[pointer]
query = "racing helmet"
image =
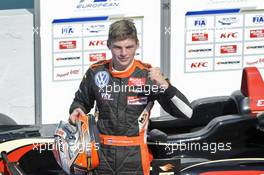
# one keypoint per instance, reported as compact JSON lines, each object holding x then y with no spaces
{"x":76,"y":147}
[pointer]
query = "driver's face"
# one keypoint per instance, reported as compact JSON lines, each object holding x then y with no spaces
{"x":123,"y":53}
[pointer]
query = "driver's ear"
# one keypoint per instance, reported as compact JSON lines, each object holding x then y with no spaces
{"x":137,"y":44}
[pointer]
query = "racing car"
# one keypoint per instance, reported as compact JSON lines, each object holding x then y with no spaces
{"x":224,"y":136}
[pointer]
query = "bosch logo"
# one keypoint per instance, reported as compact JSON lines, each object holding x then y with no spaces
{"x":199,"y":64}
{"x":67,"y":30}
{"x":258,"y":19}
{"x":228,"y":21}
{"x":229,"y":35}
{"x":97,"y":43}
{"x":200,"y":23}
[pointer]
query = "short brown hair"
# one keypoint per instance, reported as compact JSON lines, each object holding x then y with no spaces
{"x":121,"y":30}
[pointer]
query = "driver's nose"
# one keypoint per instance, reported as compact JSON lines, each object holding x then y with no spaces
{"x":123,"y":52}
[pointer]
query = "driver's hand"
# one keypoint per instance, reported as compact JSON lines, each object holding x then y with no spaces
{"x":156,"y":76}
{"x":75,"y":114}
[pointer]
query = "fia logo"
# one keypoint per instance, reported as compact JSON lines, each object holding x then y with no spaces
{"x":67,"y":30}
{"x":200,"y":22}
{"x":101,"y":79}
{"x":258,"y":19}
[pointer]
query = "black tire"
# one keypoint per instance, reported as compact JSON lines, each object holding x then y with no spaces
{"x":5,"y":120}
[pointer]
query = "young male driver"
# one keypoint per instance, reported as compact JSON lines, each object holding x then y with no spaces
{"x":124,"y":90}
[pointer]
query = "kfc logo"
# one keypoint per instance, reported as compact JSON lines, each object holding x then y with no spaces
{"x":96,"y":43}
{"x":229,"y":35}
{"x":199,"y":65}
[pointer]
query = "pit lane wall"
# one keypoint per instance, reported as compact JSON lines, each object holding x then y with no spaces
{"x":211,"y":42}
{"x":72,"y":36}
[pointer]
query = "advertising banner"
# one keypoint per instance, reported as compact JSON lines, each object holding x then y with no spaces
{"x":212,"y":41}
{"x":74,"y":38}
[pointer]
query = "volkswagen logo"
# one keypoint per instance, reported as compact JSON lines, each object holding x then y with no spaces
{"x":101,"y":79}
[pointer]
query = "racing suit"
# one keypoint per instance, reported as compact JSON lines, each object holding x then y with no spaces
{"x":124,"y":100}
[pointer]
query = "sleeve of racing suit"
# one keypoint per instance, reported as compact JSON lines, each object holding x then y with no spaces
{"x":84,"y":97}
{"x":175,"y":103}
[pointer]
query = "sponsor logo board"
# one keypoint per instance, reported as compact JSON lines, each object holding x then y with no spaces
{"x":94,"y":43}
{"x":228,"y":35}
{"x":95,"y":56}
{"x":228,"y":63}
{"x":200,"y":23}
{"x":67,"y":59}
{"x":200,"y":37}
{"x":94,"y":29}
{"x":67,"y":73}
{"x":199,"y":65}
{"x":254,"y":19}
{"x":254,"y":47}
{"x":254,"y":60}
{"x":73,"y":30}
{"x":198,"y":51}
{"x":228,"y":21}
{"x":257,"y":33}
{"x":228,"y":49}
{"x":67,"y":45}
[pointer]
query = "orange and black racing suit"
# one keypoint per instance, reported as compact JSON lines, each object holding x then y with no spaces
{"x":124,"y":100}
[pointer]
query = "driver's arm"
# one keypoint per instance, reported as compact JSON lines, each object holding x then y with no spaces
{"x":170,"y":98}
{"x":175,"y":103}
{"x":84,"y":98}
